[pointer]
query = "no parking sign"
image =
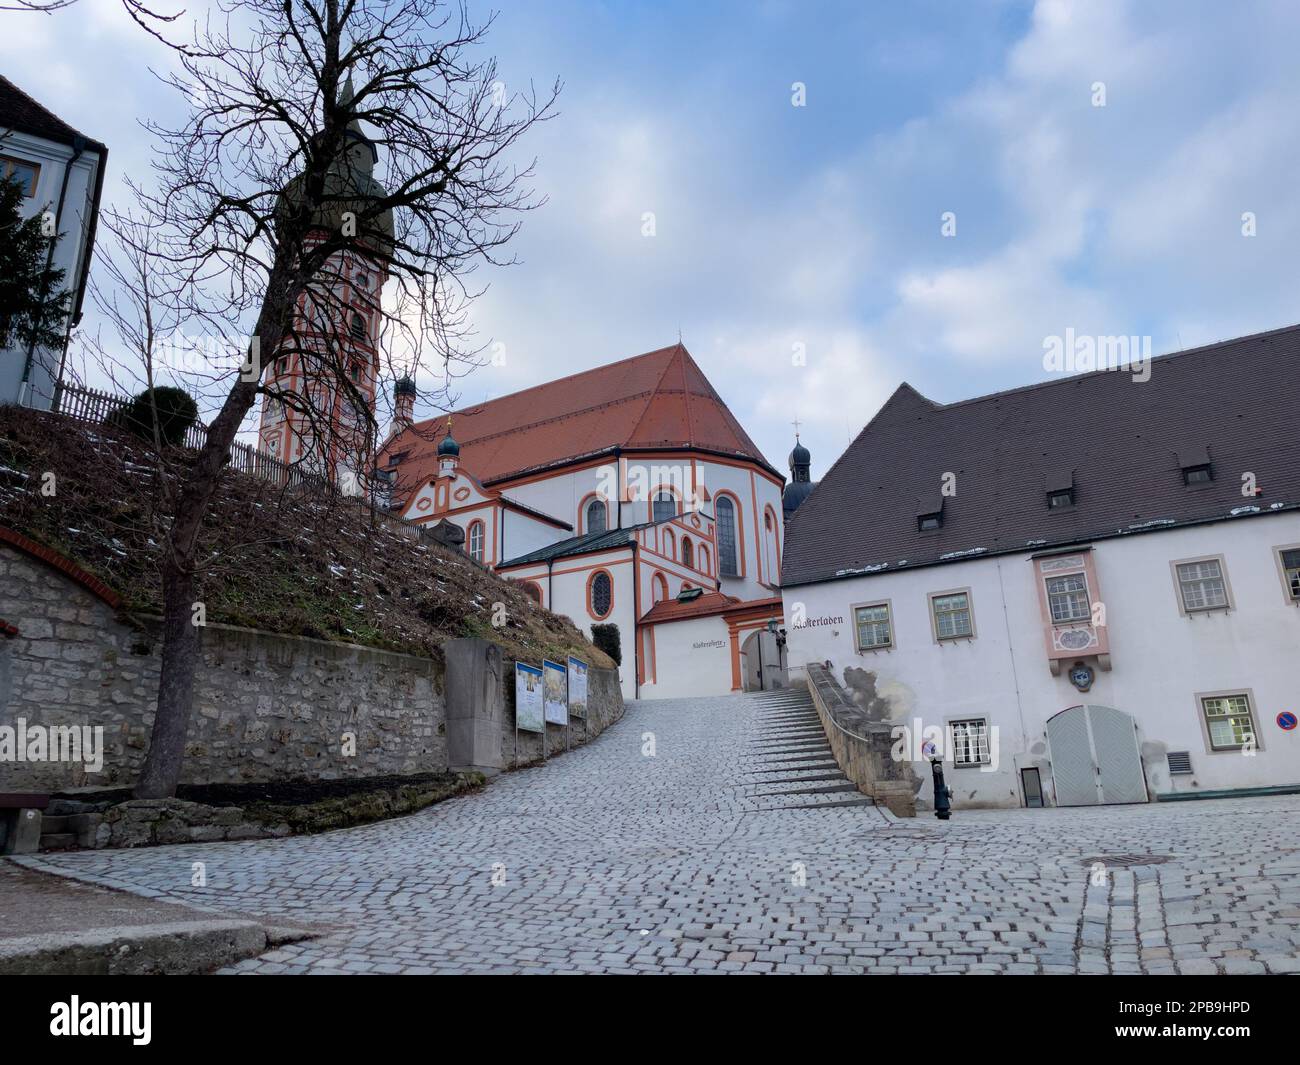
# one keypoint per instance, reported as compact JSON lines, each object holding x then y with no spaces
{"x":1286,"y":721}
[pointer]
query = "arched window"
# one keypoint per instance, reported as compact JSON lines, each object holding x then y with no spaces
{"x":475,"y":541}
{"x":658,"y":589}
{"x":688,"y":552}
{"x":594,"y":521}
{"x":533,"y":591}
{"x":727,"y":537}
{"x":670,"y":544}
{"x":358,"y":326}
{"x":665,"y":506}
{"x":703,"y":560}
{"x":600,"y":594}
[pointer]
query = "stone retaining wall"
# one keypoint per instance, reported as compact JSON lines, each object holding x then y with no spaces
{"x":268,"y":707}
{"x":862,"y":748}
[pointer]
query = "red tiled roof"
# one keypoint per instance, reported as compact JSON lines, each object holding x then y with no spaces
{"x":705,"y":605}
{"x":659,"y":400}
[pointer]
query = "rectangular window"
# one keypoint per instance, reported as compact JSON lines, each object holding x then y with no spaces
{"x":1198,"y":475}
{"x":929,"y":522}
{"x":970,"y":742}
{"x":1068,"y":598}
{"x":1228,"y":721}
{"x":1290,"y":558}
{"x":952,"y":615}
{"x":21,"y":171}
{"x":1056,"y":500}
{"x":1201,"y":585}
{"x":874,"y":628}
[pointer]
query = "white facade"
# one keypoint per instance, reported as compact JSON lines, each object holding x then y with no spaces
{"x":1163,"y":659}
{"x":653,"y":564}
{"x":72,"y":207}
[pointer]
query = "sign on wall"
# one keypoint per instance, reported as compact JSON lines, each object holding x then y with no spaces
{"x":556,"y":689}
{"x":528,"y":698}
{"x":577,"y":687}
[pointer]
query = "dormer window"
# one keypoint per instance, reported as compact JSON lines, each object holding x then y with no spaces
{"x":1194,"y":461}
{"x":929,"y":513}
{"x":1059,"y":486}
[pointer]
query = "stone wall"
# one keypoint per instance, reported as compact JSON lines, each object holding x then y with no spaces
{"x":863,"y":749}
{"x":268,"y":707}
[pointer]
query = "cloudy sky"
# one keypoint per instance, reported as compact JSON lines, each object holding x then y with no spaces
{"x":819,"y":228}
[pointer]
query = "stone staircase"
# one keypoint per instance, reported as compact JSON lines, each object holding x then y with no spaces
{"x":788,"y":764}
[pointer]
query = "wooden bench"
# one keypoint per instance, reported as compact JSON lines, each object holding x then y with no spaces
{"x":20,"y":821}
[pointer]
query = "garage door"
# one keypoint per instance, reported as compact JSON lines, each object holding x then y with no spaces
{"x":1095,"y":758}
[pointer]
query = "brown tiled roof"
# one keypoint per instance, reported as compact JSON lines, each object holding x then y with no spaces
{"x":1121,"y":440}
{"x":659,"y":400}
{"x":708,"y":604}
{"x":20,"y":112}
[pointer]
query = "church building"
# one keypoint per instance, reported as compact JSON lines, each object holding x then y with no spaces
{"x":626,"y":495}
{"x":1085,"y":591}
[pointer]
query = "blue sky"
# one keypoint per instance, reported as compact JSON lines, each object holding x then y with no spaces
{"x":819,"y":226}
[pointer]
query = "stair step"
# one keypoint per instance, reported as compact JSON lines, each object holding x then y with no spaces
{"x":829,"y":790}
{"x":56,"y":824}
{"x":791,"y":742}
{"x":840,"y":777}
{"x":829,"y":805}
{"x":58,"y":841}
{"x":814,"y":756}
{"x":812,"y":767}
{"x":822,"y":749}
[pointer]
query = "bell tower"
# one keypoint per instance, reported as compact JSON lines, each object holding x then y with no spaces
{"x":334,"y":364}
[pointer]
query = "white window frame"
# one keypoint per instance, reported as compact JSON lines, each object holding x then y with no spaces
{"x":1189,"y":611}
{"x":933,"y":597}
{"x":978,"y":743}
{"x":479,"y":526}
{"x":1252,"y":717}
{"x":1288,"y":598}
{"x":1085,"y":591}
{"x":889,"y":621}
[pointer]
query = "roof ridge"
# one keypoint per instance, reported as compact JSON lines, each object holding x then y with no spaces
{"x":479,"y":407}
{"x":690,"y":429}
{"x":73,"y":130}
{"x":1066,"y":379}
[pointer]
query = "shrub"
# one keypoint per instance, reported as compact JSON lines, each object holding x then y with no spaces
{"x":606,"y":638}
{"x":176,"y":409}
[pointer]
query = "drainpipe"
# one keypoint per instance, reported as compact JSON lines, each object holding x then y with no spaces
{"x":78,"y":147}
{"x":636,"y":617}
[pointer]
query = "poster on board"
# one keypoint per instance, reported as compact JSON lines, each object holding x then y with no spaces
{"x":528,"y":698}
{"x":577,"y":687}
{"x":556,"y":690}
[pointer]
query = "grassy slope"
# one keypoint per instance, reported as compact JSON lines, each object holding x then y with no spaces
{"x":289,"y":562}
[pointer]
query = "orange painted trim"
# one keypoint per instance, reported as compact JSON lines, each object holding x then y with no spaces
{"x":670,"y":542}
{"x":482,"y":547}
{"x":63,"y":564}
{"x":739,"y":512}
{"x":560,"y":469}
{"x":758,"y":529}
{"x":590,"y":579}
{"x":735,"y":661}
{"x":581,"y":526}
{"x":768,"y":512}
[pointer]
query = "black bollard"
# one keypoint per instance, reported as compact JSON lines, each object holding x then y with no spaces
{"x":942,"y":793}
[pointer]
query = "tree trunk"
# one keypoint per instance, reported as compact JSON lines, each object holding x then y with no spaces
{"x":181,"y":647}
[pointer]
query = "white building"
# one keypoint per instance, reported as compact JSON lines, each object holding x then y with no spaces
{"x":62,"y":174}
{"x":625,"y":495}
{"x":1086,"y":590}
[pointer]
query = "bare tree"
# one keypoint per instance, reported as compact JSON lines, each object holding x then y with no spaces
{"x":326,"y":137}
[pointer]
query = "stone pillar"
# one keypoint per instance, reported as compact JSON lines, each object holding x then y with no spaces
{"x":475,"y":705}
{"x":21,"y":833}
